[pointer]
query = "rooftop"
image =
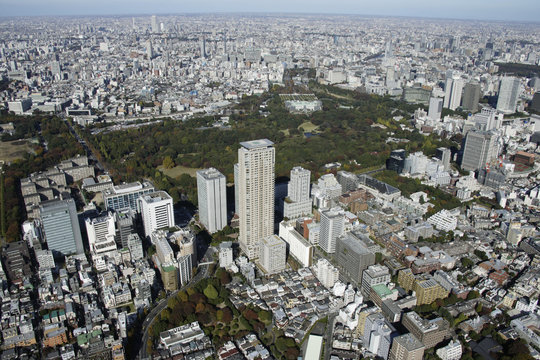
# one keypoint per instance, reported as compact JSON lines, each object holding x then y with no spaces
{"x":255,"y":144}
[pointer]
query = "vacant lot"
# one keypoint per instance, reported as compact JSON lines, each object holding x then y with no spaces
{"x":13,"y":150}
{"x":179,"y":170}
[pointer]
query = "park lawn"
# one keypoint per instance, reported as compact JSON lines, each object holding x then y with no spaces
{"x":308,"y":126}
{"x":13,"y":150}
{"x":176,"y":171}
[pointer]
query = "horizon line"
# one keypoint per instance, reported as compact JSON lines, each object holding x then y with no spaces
{"x":246,"y":13}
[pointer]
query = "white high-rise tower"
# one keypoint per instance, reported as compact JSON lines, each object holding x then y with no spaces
{"x":157,"y":211}
{"x":255,"y":194}
{"x":298,"y":202}
{"x":212,"y":197}
{"x":453,"y":90}
{"x":508,"y":94}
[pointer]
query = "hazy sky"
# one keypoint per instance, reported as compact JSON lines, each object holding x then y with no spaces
{"x":516,"y":10}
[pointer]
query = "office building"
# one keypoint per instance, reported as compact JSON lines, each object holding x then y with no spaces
{"x":273,"y":254}
{"x":101,"y":233}
{"x":471,"y":97}
{"x":126,"y":195}
{"x":429,"y":332}
{"x":353,"y":257}
{"x":332,"y":226}
{"x":61,"y":227}
{"x":480,"y":148}
{"x":406,"y":347}
{"x":134,"y":244}
{"x":435,"y":108}
{"x":327,"y":274}
{"x":453,"y":90}
{"x":445,"y":156}
{"x":508,"y":95}
{"x":378,"y":335}
{"x":348,"y":181}
{"x":396,"y":161}
{"x":374,"y":275}
{"x":212,"y":196}
{"x":157,"y":211}
{"x":124,"y":226}
{"x":255,"y":194}
{"x":298,"y":202}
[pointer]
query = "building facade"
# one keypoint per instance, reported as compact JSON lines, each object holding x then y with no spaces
{"x":255,"y":194}
{"x":212,"y":196}
{"x":61,"y":226}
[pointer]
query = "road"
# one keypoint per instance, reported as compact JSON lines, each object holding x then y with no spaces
{"x":201,"y":274}
{"x":328,"y":335}
{"x":81,"y":141}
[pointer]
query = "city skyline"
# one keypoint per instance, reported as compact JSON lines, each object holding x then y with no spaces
{"x":520,"y":11}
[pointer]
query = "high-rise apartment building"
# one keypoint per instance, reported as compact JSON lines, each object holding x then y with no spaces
{"x":332,"y":225}
{"x":157,"y":211}
{"x":298,"y":201}
{"x":453,"y":90}
{"x":61,"y":226}
{"x":327,"y":274}
{"x":508,"y":94}
{"x":480,"y":148}
{"x":273,"y":254}
{"x":256,"y":160}
{"x":211,"y":191}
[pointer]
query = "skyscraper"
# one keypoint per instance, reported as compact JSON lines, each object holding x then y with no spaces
{"x":480,"y":148}
{"x":157,"y":211}
{"x":255,"y":194}
{"x":508,"y":94}
{"x":453,"y":89}
{"x":332,"y":224}
{"x":155,"y":27}
{"x":212,"y":199}
{"x":61,"y":226}
{"x":435,"y":108}
{"x":298,"y":201}
{"x":471,"y":97}
{"x":203,"y":47}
